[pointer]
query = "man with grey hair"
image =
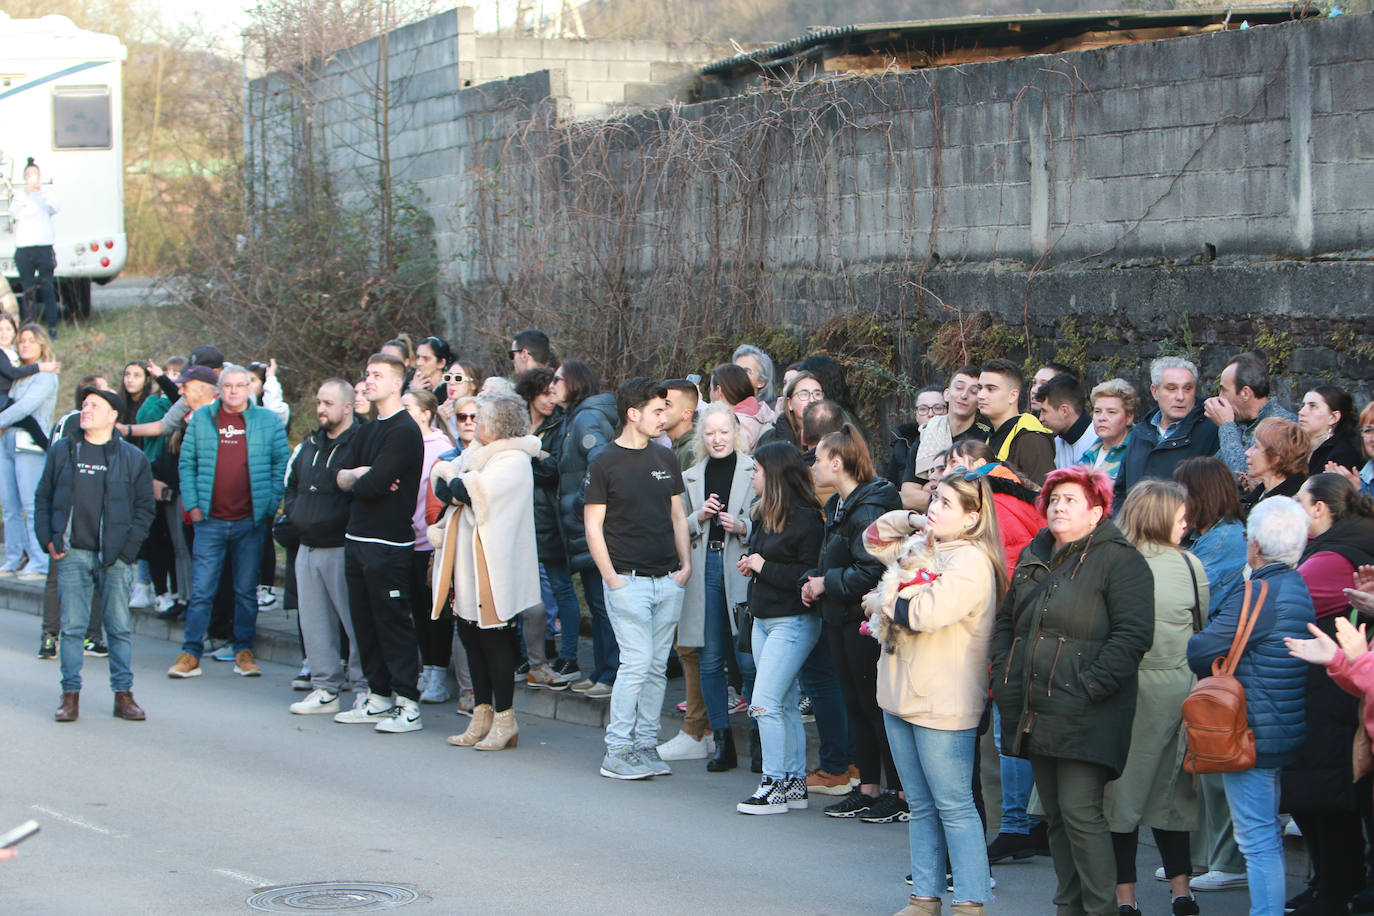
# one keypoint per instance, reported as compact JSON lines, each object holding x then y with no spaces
{"x":1243,"y":402}
{"x":759,"y":365}
{"x":1174,"y":430}
{"x":233,"y":470}
{"x":1275,"y":685}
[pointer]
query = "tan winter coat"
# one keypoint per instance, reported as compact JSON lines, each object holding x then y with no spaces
{"x":500,"y":482}
{"x":935,"y":674}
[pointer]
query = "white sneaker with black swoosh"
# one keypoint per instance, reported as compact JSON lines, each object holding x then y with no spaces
{"x":403,"y":717}
{"x":368,"y":709}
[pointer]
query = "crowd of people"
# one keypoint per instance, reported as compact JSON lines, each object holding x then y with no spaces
{"x":1055,"y":577}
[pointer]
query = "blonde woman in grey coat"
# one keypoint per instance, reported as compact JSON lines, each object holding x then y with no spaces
{"x":1153,"y":791}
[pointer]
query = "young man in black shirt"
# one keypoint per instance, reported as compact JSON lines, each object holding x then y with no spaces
{"x":382,"y":471}
{"x":637,"y":535}
{"x":92,"y":511}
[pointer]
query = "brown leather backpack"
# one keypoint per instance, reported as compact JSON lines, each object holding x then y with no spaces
{"x":1219,"y":740}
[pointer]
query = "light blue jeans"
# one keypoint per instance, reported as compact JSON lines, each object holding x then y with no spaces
{"x":936,"y":769}
{"x":19,"y":475}
{"x":1254,"y":799}
{"x":781,"y":645}
{"x":79,"y":574}
{"x":644,"y":613}
{"x":1017,"y":782}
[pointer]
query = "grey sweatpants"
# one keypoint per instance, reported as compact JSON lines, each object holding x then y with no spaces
{"x":322,"y":596}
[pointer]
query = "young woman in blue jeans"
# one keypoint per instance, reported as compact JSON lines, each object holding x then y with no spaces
{"x":783,"y":545}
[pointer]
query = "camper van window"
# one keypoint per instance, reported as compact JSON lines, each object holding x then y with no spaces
{"x":81,"y":117}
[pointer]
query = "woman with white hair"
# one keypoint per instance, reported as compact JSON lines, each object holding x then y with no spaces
{"x":759,"y":365}
{"x":486,"y":555}
{"x":1275,"y":685}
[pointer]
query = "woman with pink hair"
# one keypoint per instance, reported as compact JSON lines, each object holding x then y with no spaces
{"x":1077,"y":619}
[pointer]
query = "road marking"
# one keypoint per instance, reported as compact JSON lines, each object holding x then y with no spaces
{"x":243,"y":877}
{"x":77,"y":822}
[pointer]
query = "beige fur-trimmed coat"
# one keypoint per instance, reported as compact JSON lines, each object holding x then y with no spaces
{"x":933,"y":673}
{"x":500,"y":482}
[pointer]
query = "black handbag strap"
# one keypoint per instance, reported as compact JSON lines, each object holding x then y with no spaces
{"x":1197,"y":598}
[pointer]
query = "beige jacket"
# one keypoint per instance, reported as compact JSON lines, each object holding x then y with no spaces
{"x":935,"y":673}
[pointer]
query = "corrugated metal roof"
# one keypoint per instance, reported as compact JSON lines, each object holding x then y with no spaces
{"x":992,"y":28}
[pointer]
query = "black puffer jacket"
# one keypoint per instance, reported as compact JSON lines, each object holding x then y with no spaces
{"x":850,"y":571}
{"x":547,"y":534}
{"x":127,"y":513}
{"x":1070,"y":635}
{"x":588,"y":426}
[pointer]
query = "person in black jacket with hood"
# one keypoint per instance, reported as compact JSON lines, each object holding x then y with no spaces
{"x":92,"y":510}
{"x":318,"y":510}
{"x":1177,"y":428}
{"x":845,"y":573}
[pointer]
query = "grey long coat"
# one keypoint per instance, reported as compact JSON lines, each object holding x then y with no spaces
{"x":691,"y":629}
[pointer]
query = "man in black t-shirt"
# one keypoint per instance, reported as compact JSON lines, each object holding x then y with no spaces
{"x":92,"y":511}
{"x":637,"y":535}
{"x":382,"y":471}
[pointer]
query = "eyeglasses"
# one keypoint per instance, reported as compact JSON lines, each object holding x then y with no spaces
{"x":925,"y":410}
{"x":465,"y":417}
{"x":452,"y":377}
{"x":808,"y":395}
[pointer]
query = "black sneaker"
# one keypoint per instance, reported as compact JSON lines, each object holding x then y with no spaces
{"x":521,"y":670}
{"x":768,"y":798}
{"x":1186,"y":906}
{"x":795,"y":790}
{"x":852,"y":805}
{"x":1125,"y":909}
{"x":47,"y":647}
{"x":174,"y":612}
{"x":95,"y":649}
{"x":567,"y":670}
{"x":1040,"y":839}
{"x":888,"y":808}
{"x":807,"y":710}
{"x":1010,"y":846}
{"x":1302,"y":898}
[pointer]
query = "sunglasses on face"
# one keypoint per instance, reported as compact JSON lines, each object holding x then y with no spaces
{"x":453,"y":377}
{"x":465,"y":417}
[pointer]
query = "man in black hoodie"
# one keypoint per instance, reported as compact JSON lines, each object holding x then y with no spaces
{"x":318,"y":510}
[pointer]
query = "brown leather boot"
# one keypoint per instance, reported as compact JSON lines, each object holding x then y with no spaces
{"x":126,"y":708}
{"x":70,"y":708}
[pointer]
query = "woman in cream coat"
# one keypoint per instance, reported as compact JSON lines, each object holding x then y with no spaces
{"x":934,"y":611}
{"x":488,"y":558}
{"x":719,"y":491}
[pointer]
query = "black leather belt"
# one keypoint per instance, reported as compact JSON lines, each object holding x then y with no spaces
{"x":715,"y":545}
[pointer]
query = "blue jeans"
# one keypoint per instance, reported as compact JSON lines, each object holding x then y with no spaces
{"x":781,"y":645}
{"x":605,"y":650}
{"x":1017,"y":782}
{"x":556,"y":588}
{"x":241,"y":542}
{"x":936,"y":769}
{"x":1254,"y":799}
{"x":19,"y":475}
{"x":644,"y":612}
{"x":78,"y":574}
{"x":719,"y":640}
{"x":818,"y":681}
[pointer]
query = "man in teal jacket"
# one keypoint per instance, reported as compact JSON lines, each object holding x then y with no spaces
{"x":233,"y":472}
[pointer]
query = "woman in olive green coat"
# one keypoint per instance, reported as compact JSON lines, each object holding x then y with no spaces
{"x":1153,"y":790}
{"x":1070,"y":635}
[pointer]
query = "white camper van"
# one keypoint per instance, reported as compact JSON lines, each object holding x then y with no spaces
{"x":60,"y":103}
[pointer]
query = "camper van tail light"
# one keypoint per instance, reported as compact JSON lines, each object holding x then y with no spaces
{"x":109,"y":243}
{"x":95,"y":246}
{"x":104,"y":262}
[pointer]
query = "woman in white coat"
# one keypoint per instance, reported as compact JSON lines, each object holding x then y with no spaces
{"x":718,"y":495}
{"x":488,"y":558}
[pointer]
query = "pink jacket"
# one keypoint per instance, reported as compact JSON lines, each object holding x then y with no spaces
{"x":436,"y":443}
{"x":1357,"y":678}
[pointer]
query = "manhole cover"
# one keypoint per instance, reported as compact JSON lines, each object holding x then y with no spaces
{"x":351,"y":896}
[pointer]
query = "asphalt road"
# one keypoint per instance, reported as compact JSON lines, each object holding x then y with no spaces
{"x":222,"y":791}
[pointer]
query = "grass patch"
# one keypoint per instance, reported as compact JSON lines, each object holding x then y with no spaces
{"x":110,"y":338}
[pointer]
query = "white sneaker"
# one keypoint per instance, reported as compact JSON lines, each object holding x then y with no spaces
{"x":141,"y":595}
{"x":434,"y":685}
{"x":1291,"y":828}
{"x":403,"y":717}
{"x":164,"y":602}
{"x":683,"y":746}
{"x":1218,"y":881}
{"x":266,"y":596}
{"x":367,"y":708}
{"x":317,"y":703}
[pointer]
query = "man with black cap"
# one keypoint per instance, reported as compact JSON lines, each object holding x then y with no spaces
{"x":92,"y":511}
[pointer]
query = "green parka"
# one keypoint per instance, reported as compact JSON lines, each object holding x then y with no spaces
{"x":1070,"y":635}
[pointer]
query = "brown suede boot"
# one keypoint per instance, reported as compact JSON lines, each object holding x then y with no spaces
{"x":915,"y":906}
{"x":70,"y":708}
{"x":126,"y":708}
{"x":482,"y":716}
{"x":967,"y":909}
{"x":504,"y":732}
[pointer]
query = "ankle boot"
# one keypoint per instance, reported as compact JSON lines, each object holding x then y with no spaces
{"x":915,"y":906}
{"x":967,"y":909}
{"x":70,"y":708}
{"x":126,"y":708}
{"x":755,"y":751}
{"x":725,"y":758}
{"x":482,"y":717}
{"x":504,"y":732}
